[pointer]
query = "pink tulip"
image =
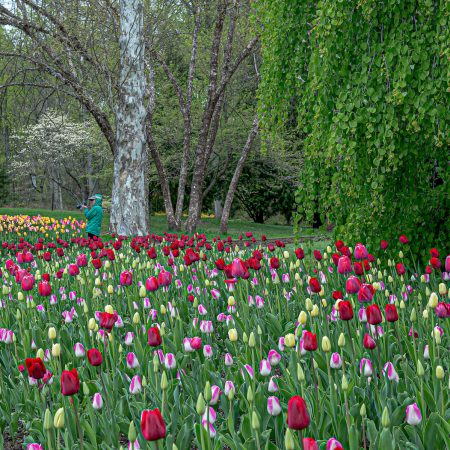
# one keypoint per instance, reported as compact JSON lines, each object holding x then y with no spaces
{"x":426,"y":352}
{"x":229,"y":387}
{"x":344,"y":265}
{"x":365,"y":367}
{"x":389,"y":371}
{"x":187,"y":345}
{"x":336,"y":361}
{"x":135,"y":385}
{"x":333,"y":444}
{"x":34,"y":447}
{"x":212,"y":430}
{"x":228,"y":359}
{"x":202,"y":310}
{"x":170,"y":361}
{"x":212,"y":415}
{"x":360,"y":252}
{"x":79,"y":350}
{"x":265,"y":368}
{"x":132,"y":361}
{"x":413,"y":414}
{"x":274,"y":357}
{"x":281,"y":344}
{"x":272,"y":385}
{"x":97,"y":401}
{"x":207,"y":351}
{"x":196,"y":343}
{"x":273,"y":406}
{"x":215,"y":395}
{"x":129,"y":337}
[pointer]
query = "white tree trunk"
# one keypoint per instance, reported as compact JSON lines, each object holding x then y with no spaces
{"x":129,"y":204}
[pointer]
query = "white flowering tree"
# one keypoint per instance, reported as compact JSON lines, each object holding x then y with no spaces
{"x":57,"y":155}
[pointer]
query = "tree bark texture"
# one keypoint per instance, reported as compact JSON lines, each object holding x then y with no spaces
{"x":235,"y":180}
{"x":129,"y":208}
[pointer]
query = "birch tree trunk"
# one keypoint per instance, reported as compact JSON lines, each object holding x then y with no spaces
{"x":129,"y":204}
{"x":237,"y":174}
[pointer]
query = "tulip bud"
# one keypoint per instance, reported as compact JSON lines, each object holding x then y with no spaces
{"x":341,"y":340}
{"x":231,"y":301}
{"x":420,"y":371}
{"x":252,"y":340}
{"x":250,"y":394}
{"x":156,"y":363}
{"x":85,"y":308}
{"x":56,"y":350}
{"x":245,"y":338}
{"x":232,"y":335}
{"x":58,"y":420}
{"x":326,"y":344}
{"x":110,"y":289}
{"x":385,"y":418}
{"x":40,"y":354}
{"x":362,"y":410}
{"x":259,"y":331}
{"x":207,"y":394}
{"x":433,"y":300}
{"x":286,"y":254}
{"x":52,"y":333}
{"x":85,"y":389}
{"x":164,"y":382}
{"x":425,"y":314}
{"x":308,"y":304}
{"x":136,"y":318}
{"x":20,"y":296}
{"x":440,"y":372}
{"x":255,"y":421}
{"x":144,"y":381}
{"x":300,"y":373}
{"x":18,"y":315}
{"x":132,"y":435}
{"x":289,"y":340}
{"x":201,"y":406}
{"x":142,"y":292}
{"x":302,"y":318}
{"x":413,"y":316}
{"x":437,"y":337}
{"x":91,"y":324}
{"x":48,"y":420}
{"x":442,"y":288}
{"x":344,"y":383}
{"x":162,"y":310}
{"x":297,"y":277}
{"x":315,"y":311}
{"x":289,"y":440}
{"x":402,"y":305}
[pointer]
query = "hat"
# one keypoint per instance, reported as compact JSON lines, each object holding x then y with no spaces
{"x":92,"y":197}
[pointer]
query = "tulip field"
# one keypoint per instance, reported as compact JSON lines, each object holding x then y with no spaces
{"x":182,"y":342}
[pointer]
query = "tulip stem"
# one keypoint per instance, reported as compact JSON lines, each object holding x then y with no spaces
{"x":58,"y":444}
{"x":351,"y":340}
{"x":49,"y":439}
{"x":106,"y":396}
{"x":300,"y":437}
{"x":315,"y":382}
{"x":77,"y":421}
{"x":364,"y":433}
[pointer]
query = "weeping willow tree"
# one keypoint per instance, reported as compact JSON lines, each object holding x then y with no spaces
{"x":364,"y":86}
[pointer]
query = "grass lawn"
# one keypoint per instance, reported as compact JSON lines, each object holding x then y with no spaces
{"x":209,"y":226}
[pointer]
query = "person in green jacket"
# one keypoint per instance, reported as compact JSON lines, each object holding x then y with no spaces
{"x":94,"y":215}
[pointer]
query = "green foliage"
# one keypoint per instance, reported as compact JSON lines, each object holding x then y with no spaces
{"x":4,"y":187}
{"x":264,"y":190}
{"x":369,"y":81}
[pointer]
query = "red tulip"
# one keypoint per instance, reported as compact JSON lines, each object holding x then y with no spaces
{"x":154,"y":338}
{"x":337,"y":295}
{"x":360,"y":252}
{"x":358,"y":268}
{"x":47,"y":256}
{"x":317,"y":255}
{"x":151,"y":284}
{"x":298,"y":417}
{"x":44,"y":289}
{"x":164,"y":278}
{"x":384,"y":244}
{"x":299,"y":253}
{"x":126,"y":278}
{"x":344,"y":265}
{"x":220,"y":264}
{"x":365,"y":293}
{"x":400,"y":268}
{"x":151,"y":253}
{"x":27,"y":282}
{"x":70,"y":383}
{"x":435,"y":262}
{"x":352,"y":285}
{"x":368,"y":342}
{"x":310,"y":444}
{"x":152,"y":425}
{"x":339,"y":244}
{"x":107,"y":320}
{"x":274,"y":263}
{"x":238,"y":268}
{"x":309,"y":341}
{"x":345,"y":310}
{"x":373,"y":315}
{"x":36,"y":368}
{"x":73,"y":270}
{"x":97,"y":263}
{"x":403,"y":239}
{"x":391,"y":313}
{"x":315,"y":285}
{"x":434,"y":252}
{"x":95,"y":357}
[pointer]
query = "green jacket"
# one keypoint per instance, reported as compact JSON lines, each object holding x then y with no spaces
{"x":94,"y":216}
